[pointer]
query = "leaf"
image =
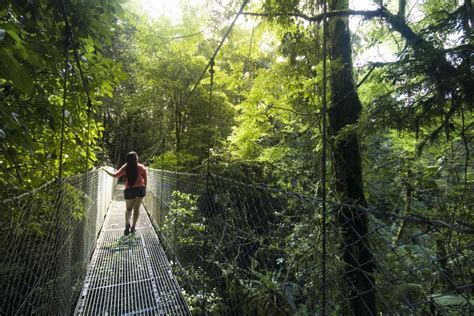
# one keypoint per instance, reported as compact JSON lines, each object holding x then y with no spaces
{"x":122,"y":75}
{"x":408,"y":292}
{"x":450,"y":300}
{"x":35,"y":59}
{"x":106,"y":89}
{"x":18,"y":46}
{"x":119,"y":10}
{"x":15,"y":36}
{"x":14,"y":71}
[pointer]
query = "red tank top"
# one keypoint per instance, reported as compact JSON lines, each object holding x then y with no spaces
{"x":141,"y":176}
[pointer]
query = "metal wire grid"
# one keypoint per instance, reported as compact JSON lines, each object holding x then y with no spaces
{"x":224,"y":235}
{"x":47,"y":238}
{"x":130,"y":275}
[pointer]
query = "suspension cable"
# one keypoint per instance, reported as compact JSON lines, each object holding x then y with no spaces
{"x":210,"y":65}
{"x":323,"y":163}
{"x":227,"y":33}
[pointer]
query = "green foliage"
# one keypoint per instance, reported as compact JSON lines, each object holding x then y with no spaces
{"x":212,"y":302}
{"x":153,"y":111}
{"x":408,"y":168}
{"x":268,"y":88}
{"x":264,"y":126}
{"x":184,"y":221}
{"x":267,"y":291}
{"x":187,"y":227}
{"x":32,"y":61}
{"x":173,"y":161}
{"x":451,"y":304}
{"x":47,"y":222}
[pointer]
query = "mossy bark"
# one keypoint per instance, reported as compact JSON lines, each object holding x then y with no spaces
{"x":345,"y":109}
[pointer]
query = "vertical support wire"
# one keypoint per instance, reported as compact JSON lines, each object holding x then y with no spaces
{"x":63,"y":115}
{"x":207,"y":194}
{"x":89,"y":111}
{"x":162,"y":173}
{"x":323,"y":165}
{"x":209,"y":118}
{"x":177,"y":177}
{"x":55,"y":254}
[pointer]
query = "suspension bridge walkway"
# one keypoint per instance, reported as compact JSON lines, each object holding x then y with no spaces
{"x":212,"y":245}
{"x":52,"y":235}
{"x":129,"y":275}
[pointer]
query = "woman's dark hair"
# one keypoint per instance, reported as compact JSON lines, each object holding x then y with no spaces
{"x":131,"y":169}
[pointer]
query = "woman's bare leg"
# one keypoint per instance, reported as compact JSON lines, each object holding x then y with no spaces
{"x":136,"y":210}
{"x":128,"y":212}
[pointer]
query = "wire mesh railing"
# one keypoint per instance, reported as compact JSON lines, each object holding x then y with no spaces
{"x":246,"y":249}
{"x":46,"y":239}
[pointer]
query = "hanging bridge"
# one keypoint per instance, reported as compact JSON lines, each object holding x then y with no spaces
{"x":208,"y":244}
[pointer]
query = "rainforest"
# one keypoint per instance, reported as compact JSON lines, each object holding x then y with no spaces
{"x":305,"y":157}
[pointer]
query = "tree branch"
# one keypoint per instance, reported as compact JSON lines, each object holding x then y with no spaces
{"x":418,"y":43}
{"x":438,"y":70}
{"x":15,"y":163}
{"x":433,"y":135}
{"x":319,"y":17}
{"x":402,"y":4}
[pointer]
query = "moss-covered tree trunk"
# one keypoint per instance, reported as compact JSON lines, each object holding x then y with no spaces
{"x":345,"y":108}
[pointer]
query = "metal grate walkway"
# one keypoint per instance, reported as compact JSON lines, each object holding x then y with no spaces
{"x":129,"y":275}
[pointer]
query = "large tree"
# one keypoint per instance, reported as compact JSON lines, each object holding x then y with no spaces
{"x":344,"y":111}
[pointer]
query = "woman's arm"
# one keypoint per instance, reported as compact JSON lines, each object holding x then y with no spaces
{"x":107,"y":171}
{"x":116,"y":174}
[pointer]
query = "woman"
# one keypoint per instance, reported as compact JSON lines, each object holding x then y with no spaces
{"x":135,"y":188}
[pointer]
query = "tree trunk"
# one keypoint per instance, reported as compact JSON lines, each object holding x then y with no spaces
{"x":359,"y":285}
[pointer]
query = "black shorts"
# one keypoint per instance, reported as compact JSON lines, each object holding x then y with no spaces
{"x":132,"y":193}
